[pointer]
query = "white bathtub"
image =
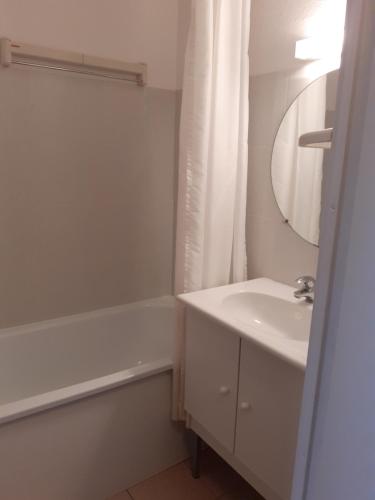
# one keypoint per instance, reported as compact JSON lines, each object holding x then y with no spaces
{"x":85,"y":403}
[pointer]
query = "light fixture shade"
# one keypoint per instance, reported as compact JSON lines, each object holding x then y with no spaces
{"x":309,"y":49}
{"x":319,"y":48}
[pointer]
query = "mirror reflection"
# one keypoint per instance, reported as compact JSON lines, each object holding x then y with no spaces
{"x":298,"y":172}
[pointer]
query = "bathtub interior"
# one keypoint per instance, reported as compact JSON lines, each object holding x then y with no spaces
{"x":53,"y":354}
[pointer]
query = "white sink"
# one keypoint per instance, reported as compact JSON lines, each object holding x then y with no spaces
{"x":270,"y":314}
{"x":262,"y":310}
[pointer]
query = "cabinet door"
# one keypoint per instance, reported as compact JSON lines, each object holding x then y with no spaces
{"x":211,"y":382}
{"x":269,"y":399}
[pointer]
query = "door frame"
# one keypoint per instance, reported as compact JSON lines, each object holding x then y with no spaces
{"x":342,"y":170}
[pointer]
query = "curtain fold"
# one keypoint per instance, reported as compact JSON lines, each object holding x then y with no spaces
{"x":211,"y":211}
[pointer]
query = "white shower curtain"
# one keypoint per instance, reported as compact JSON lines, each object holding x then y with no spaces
{"x":211,"y":248}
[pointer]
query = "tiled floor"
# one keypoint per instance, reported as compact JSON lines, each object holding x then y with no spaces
{"x":218,"y":481}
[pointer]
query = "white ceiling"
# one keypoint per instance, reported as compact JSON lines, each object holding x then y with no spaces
{"x":276,"y":25}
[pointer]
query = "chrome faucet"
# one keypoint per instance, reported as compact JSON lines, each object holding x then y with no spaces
{"x":306,"y":290}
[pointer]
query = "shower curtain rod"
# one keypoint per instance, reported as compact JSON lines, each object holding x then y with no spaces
{"x":42,"y":57}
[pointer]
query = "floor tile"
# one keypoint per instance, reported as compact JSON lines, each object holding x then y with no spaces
{"x":175,"y":483}
{"x":222,"y":480}
{"x":241,"y":496}
{"x":235,"y":497}
{"x":121,"y":496}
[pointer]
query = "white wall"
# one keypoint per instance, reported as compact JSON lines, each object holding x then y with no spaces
{"x":278,"y":24}
{"x":87,"y":193}
{"x":88,"y":165}
{"x":133,"y":30}
{"x":274,"y":249}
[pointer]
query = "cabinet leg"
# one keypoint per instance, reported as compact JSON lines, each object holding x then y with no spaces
{"x":196,"y":456}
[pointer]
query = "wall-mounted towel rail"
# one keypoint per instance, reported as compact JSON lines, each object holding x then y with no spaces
{"x":12,"y":52}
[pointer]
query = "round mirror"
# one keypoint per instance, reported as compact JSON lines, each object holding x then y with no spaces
{"x":298,"y":171}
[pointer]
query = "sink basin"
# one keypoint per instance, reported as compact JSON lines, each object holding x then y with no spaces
{"x":270,"y":314}
{"x":261,"y":310}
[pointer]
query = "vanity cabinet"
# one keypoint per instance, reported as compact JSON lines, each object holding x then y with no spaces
{"x":269,"y":398}
{"x":212,"y":377}
{"x":246,"y":399}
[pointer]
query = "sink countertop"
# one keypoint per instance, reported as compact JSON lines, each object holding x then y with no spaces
{"x":260,"y":310}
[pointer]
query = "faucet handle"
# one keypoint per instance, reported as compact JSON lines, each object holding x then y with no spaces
{"x":308,"y":282}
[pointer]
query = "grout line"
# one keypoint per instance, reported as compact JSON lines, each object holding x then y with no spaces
{"x":154,"y":475}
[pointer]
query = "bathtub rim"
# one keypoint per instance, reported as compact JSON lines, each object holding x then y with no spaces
{"x":43,"y":401}
{"x":15,"y":410}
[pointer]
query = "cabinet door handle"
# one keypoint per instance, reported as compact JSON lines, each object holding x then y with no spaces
{"x":224,"y":390}
{"x":245,"y":405}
